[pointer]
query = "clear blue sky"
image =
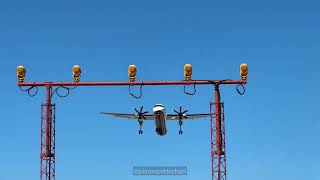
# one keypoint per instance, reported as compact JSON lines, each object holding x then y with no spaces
{"x":272,"y":131}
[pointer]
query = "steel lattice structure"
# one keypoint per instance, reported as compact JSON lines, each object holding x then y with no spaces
{"x":48,"y":142}
{"x":48,"y":138}
{"x":217,"y":136}
{"x":48,"y":128}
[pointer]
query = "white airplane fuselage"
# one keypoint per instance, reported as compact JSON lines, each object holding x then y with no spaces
{"x":159,"y":113}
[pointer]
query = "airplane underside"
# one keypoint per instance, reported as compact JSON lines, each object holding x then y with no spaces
{"x":160,"y":123}
{"x":159,"y":116}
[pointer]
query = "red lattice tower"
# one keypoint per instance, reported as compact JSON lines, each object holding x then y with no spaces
{"x":217,"y":134}
{"x":48,"y":145}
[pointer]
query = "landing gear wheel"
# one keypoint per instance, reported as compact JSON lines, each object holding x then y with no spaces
{"x":180,"y":132}
{"x":140,"y":131}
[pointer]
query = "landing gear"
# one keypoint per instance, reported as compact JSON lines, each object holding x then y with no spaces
{"x":140,"y":124}
{"x":180,"y":124}
{"x":141,"y":117}
{"x":181,"y":115}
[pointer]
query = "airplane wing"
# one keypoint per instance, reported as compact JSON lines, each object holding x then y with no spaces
{"x":186,"y":117}
{"x":129,"y":116}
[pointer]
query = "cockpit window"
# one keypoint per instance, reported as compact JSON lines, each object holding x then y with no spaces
{"x":158,"y":105}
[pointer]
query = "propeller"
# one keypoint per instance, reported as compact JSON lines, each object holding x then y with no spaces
{"x":140,"y":117}
{"x":181,"y":116}
{"x":140,"y":113}
{"x":180,"y":113}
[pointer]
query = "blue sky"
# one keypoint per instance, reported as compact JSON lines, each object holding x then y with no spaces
{"x":272,"y":131}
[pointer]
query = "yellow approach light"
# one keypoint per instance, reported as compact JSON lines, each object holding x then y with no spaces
{"x":244,"y":71}
{"x":21,"y":73}
{"x":76,"y":73}
{"x":188,"y":71}
{"x":132,"y":72}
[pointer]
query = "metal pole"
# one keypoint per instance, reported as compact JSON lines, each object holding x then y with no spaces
{"x":48,"y":119}
{"x":218,"y":119}
{"x":217,"y":134}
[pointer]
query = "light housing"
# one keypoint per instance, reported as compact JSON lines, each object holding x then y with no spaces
{"x":244,"y":71}
{"x":76,"y":73}
{"x":132,"y":72}
{"x":188,"y":71}
{"x":21,"y":73}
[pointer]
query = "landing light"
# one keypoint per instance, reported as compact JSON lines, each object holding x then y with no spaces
{"x":21,"y":73}
{"x":188,"y":71}
{"x":132,"y":72}
{"x":244,"y":71}
{"x":76,"y":73}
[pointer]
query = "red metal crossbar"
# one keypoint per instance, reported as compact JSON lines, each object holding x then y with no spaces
{"x":144,"y":83}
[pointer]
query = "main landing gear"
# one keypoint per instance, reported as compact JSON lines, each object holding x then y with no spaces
{"x":140,"y":124}
{"x":180,"y":124}
{"x":181,"y":115}
{"x":141,"y":117}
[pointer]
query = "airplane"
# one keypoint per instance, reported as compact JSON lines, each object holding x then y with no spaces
{"x":159,"y":116}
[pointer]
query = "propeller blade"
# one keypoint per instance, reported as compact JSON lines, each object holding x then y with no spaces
{"x":180,"y":108}
{"x":140,"y":113}
{"x":185,"y":111}
{"x":176,"y":111}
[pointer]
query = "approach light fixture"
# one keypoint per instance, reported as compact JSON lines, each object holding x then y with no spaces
{"x":76,"y":73}
{"x":188,"y":71}
{"x":244,"y":71}
{"x":21,"y":73}
{"x":132,"y":72}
